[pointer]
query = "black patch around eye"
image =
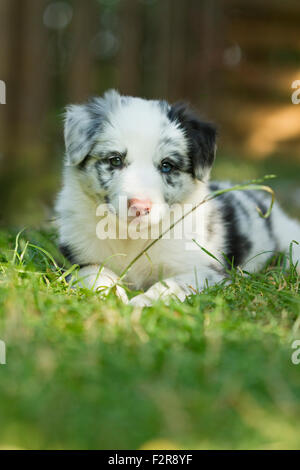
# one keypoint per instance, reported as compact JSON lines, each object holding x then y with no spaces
{"x":171,"y":181}
{"x":103,"y":169}
{"x":103,"y":164}
{"x":178,"y":161}
{"x":82,"y":165}
{"x":173,"y":178}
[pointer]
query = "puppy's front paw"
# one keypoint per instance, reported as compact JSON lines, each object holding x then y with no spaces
{"x":101,"y":280}
{"x":165,"y":291}
{"x":118,"y":290}
{"x":141,"y":300}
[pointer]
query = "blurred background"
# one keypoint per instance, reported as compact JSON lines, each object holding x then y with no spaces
{"x":234,"y":60}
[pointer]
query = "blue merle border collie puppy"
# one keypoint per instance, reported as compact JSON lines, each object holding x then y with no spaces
{"x":157,"y":156}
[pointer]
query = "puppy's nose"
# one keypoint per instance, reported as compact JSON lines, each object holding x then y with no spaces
{"x":139,"y":207}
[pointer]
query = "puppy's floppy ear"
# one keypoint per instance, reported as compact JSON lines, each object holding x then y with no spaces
{"x":201,"y":139}
{"x":79,"y":132}
{"x":83,"y":122}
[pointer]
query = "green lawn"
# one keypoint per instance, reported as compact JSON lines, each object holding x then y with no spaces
{"x":214,"y":372}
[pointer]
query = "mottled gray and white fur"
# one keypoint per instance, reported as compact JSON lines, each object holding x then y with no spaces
{"x":149,"y":150}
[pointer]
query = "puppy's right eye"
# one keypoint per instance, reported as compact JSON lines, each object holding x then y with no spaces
{"x":116,"y":161}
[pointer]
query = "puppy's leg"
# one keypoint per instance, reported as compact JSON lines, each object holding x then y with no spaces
{"x":100,"y":279}
{"x":178,"y":287}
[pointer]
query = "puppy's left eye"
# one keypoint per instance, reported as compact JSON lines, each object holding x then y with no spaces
{"x":166,"y":166}
{"x":116,"y":161}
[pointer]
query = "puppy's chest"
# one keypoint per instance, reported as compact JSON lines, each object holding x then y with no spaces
{"x":155,"y":264}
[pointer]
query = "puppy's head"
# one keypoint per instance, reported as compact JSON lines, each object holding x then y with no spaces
{"x":148,"y":152}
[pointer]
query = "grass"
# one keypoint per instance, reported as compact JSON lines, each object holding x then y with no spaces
{"x":212,"y":373}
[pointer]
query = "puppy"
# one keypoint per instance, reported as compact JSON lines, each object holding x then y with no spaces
{"x":132,"y":168}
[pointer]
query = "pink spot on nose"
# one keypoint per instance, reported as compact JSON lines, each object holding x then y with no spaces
{"x":138,"y":207}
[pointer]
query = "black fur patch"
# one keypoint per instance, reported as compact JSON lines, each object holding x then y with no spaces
{"x":82,"y":165}
{"x":103,"y":172}
{"x":67,"y":253}
{"x":179,"y":161}
{"x":172,"y":178}
{"x":237,"y":245}
{"x":263,"y":207}
{"x":213,"y":186}
{"x":201,"y":137}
